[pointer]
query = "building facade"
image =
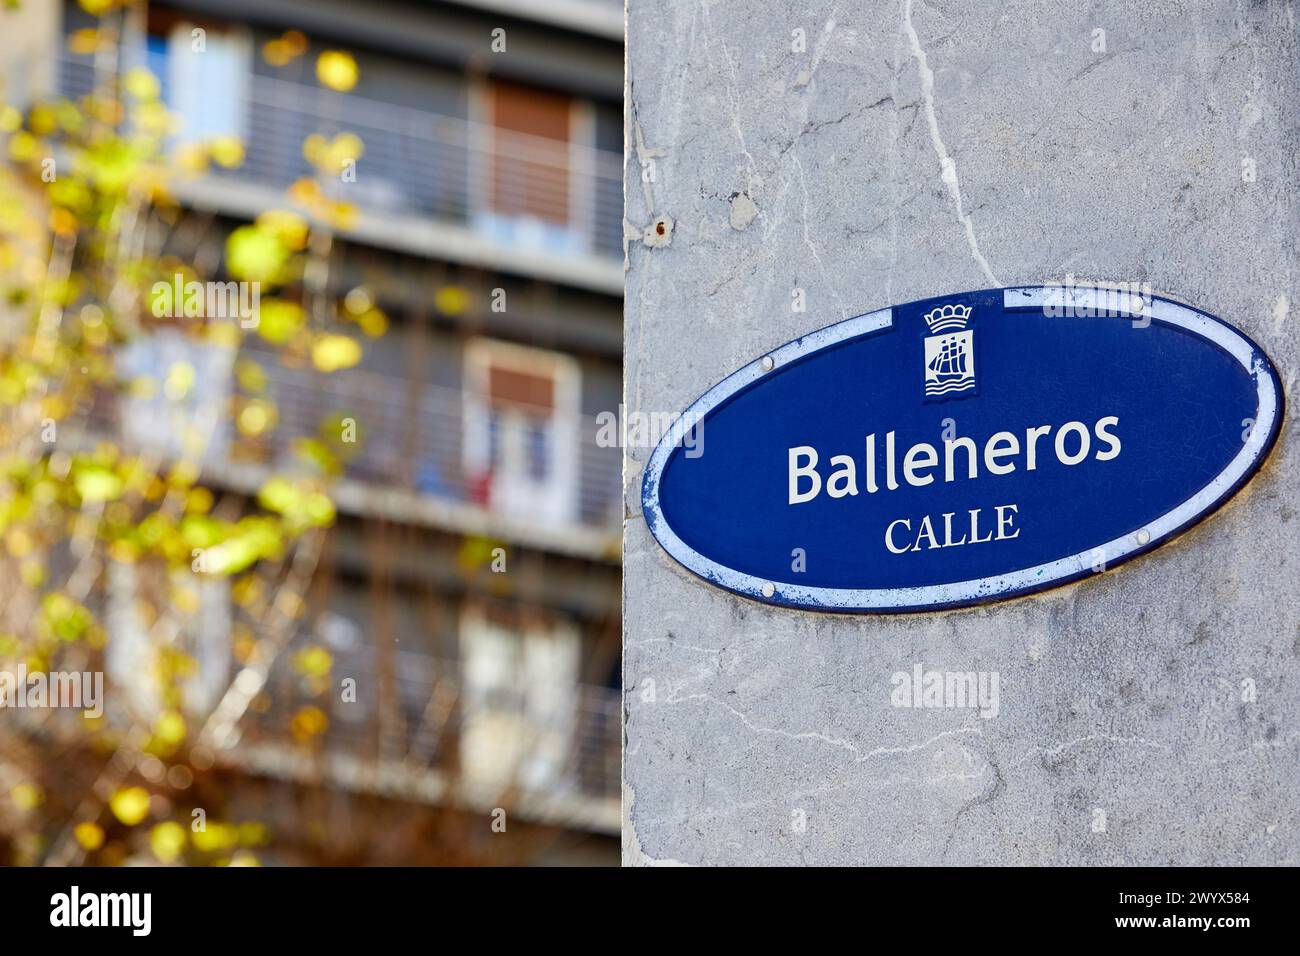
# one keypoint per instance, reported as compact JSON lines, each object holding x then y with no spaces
{"x":470,"y":585}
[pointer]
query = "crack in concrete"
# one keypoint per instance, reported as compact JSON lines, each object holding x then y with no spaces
{"x":999,"y":787}
{"x":1056,"y":750}
{"x":947,"y":167}
{"x":840,"y":742}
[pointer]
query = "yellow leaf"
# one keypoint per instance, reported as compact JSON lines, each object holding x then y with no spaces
{"x":305,"y":192}
{"x":95,"y":483}
{"x":334,"y":352}
{"x":255,"y":254}
{"x":344,"y":215}
{"x":295,"y":41}
{"x":32,"y":572}
{"x":199,"y":501}
{"x":318,"y":509}
{"x":247,"y":591}
{"x":224,"y":334}
{"x":308,"y":722}
{"x":337,"y":70}
{"x":170,"y":727}
{"x":314,"y":661}
{"x":183,"y":474}
{"x":289,"y":227}
{"x":278,"y":321}
{"x":358,"y":300}
{"x":63,"y":222}
{"x":27,"y":796}
{"x":130,"y":805}
{"x":285,"y":49}
{"x":276,"y":53}
{"x":227,"y":151}
{"x":347,"y":146}
{"x":191,"y":158}
{"x":141,"y":84}
{"x":167,"y":840}
{"x":253,"y":834}
{"x":279,"y":495}
{"x":23,"y":146}
{"x":215,"y":836}
{"x":179,"y":381}
{"x":373,"y":323}
{"x":233,"y":556}
{"x":255,"y":418}
{"x":19,"y":542}
{"x":84,"y":42}
{"x":314,"y":149}
{"x":143,"y":387}
{"x":89,"y":835}
{"x":250,"y":375}
{"x":42,"y":119}
{"x":152,"y":119}
{"x":451,"y":300}
{"x":97,"y":8}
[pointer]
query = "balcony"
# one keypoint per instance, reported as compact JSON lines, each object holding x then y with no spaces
{"x":420,"y":730}
{"x":413,"y":438}
{"x":411,"y":462}
{"x":427,"y":183}
{"x":433,"y":735}
{"x":603,"y":18}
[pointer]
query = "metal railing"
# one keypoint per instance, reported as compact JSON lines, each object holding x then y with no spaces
{"x":518,"y":190}
{"x":409,"y":436}
{"x":534,"y":738}
{"x":412,"y":436}
{"x":529,"y":742}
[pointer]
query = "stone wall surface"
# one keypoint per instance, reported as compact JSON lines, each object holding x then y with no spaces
{"x":913,"y":149}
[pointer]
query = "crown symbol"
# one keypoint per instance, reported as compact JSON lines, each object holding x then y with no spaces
{"x":948,"y":317}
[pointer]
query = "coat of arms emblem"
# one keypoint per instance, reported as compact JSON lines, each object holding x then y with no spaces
{"x":949,"y":352}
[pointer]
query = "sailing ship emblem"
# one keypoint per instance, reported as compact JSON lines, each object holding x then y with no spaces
{"x":949,"y":352}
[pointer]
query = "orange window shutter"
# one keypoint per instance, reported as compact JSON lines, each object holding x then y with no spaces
{"x":530,"y":162}
{"x":532,"y":393}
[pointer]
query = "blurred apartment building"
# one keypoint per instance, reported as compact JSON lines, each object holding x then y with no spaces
{"x":485,"y":174}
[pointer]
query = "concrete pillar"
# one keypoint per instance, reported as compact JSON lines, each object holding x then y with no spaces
{"x":863,"y":155}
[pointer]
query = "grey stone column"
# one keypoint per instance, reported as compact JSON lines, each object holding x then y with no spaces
{"x":857,"y":155}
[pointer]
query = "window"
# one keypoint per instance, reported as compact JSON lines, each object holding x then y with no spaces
{"x":204,"y":633}
{"x":520,"y":441}
{"x":532,"y":191}
{"x":519,"y":698}
{"x":204,"y":70}
{"x":196,"y":425}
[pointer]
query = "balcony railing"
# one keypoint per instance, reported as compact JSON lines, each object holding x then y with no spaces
{"x":412,"y":437}
{"x":598,"y":17}
{"x":549,"y":751}
{"x":521,"y":191}
{"x":535,"y":738}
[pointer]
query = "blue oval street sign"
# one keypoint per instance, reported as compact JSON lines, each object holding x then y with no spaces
{"x":963,"y":449}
